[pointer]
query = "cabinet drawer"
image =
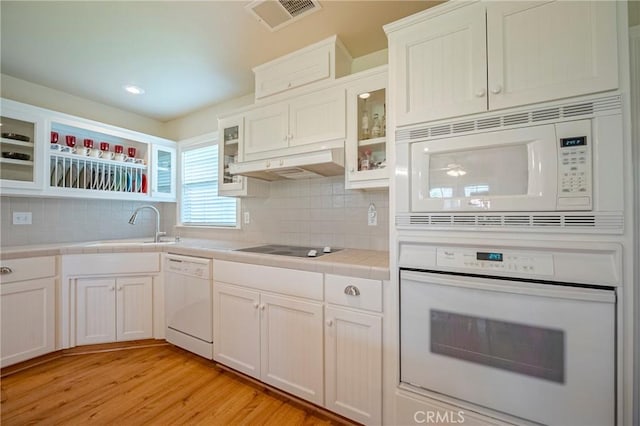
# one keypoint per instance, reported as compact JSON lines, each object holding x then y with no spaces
{"x":28,"y":269}
{"x":291,"y":282}
{"x":340,"y":290}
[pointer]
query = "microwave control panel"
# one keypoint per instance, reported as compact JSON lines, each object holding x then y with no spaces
{"x":574,"y":164}
{"x":495,"y":261}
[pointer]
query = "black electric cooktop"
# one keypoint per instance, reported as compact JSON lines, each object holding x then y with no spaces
{"x":284,"y":250}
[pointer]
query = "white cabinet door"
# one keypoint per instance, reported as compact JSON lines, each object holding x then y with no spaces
{"x":266,"y":129}
{"x":548,"y":50}
{"x":134,"y":313}
{"x":163,"y":165}
{"x":230,"y":145}
{"x":353,"y":345}
{"x":28,"y":319}
{"x":441,"y":66}
{"x":366,"y":154}
{"x":18,"y":175}
{"x":291,"y":346}
{"x":317,"y":117}
{"x":236,"y":328}
{"x":95,"y":310}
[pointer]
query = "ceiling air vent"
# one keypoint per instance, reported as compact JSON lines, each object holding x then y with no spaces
{"x":275,"y":14}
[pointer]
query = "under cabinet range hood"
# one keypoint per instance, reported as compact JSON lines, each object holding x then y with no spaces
{"x":328,"y":162}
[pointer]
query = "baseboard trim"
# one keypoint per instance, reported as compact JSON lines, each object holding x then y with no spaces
{"x":80,"y":350}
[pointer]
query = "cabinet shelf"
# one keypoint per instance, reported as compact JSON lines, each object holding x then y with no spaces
{"x":231,"y":142}
{"x":16,"y":162}
{"x":16,"y":143}
{"x":373,"y":141}
{"x":94,"y":160}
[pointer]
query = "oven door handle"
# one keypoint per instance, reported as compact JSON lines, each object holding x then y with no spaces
{"x":516,"y":287}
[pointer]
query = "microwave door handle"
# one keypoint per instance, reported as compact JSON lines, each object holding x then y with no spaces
{"x":516,"y":287}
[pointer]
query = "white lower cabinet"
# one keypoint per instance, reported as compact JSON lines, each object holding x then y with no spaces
{"x":353,"y":348}
{"x":268,"y":324}
{"x":316,"y":336}
{"x":291,"y":346}
{"x":236,"y":328}
{"x":28,"y":319}
{"x":27,"y":306}
{"x":276,"y":339}
{"x":353,"y":364}
{"x":114,"y":309}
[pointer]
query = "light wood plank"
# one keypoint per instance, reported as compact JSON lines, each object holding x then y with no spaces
{"x":145,"y":385}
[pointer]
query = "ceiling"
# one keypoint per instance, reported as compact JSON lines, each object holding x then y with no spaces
{"x":185,"y":55}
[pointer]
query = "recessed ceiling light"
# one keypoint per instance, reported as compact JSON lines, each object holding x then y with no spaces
{"x":364,"y":95}
{"x":134,"y":90}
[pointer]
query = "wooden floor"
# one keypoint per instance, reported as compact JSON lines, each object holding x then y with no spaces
{"x":160,"y":385}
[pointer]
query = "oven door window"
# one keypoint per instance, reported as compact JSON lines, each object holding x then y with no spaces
{"x":524,"y":349}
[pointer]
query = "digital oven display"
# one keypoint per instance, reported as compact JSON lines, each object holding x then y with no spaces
{"x":574,"y":141}
{"x":495,"y":257}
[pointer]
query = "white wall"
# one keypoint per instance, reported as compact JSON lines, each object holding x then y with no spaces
{"x":44,"y":97}
{"x":634,"y":12}
{"x":375,"y":59}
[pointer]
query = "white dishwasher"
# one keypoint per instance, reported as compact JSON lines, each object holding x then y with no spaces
{"x":188,"y":303}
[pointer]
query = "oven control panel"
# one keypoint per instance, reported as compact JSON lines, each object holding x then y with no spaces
{"x":490,"y":261}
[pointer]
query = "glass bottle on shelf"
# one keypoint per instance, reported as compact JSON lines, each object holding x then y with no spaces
{"x":364,"y":125}
{"x":376,"y":128}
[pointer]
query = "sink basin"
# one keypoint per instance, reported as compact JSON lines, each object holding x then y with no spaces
{"x":127,"y":243}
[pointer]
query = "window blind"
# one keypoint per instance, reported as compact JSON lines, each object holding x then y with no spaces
{"x":200,"y":203}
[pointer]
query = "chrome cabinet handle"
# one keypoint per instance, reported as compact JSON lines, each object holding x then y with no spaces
{"x":351,"y":290}
{"x":5,"y":270}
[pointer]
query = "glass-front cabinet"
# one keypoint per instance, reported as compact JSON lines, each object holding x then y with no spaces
{"x":164,"y":173}
{"x":366,"y":147}
{"x":230,"y":133}
{"x":47,"y":153}
{"x":21,"y":147}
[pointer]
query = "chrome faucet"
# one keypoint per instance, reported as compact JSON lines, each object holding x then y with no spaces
{"x":134,"y":216}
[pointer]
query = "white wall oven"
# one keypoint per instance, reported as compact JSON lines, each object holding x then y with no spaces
{"x":553,"y":158}
{"x":526,"y":332}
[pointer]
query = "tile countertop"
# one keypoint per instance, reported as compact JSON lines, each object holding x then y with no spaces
{"x":350,"y":262}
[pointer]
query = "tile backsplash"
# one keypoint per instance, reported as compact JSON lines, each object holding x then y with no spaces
{"x":315,"y":212}
{"x":70,"y":220}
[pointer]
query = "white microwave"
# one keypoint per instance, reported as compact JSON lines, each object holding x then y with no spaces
{"x":562,"y":166}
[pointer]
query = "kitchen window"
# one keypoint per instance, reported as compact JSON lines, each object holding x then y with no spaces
{"x":200,"y":204}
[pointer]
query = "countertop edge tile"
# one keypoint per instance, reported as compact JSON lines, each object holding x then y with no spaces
{"x":350,"y":262}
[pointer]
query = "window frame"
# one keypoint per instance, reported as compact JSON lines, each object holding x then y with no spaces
{"x":207,"y":139}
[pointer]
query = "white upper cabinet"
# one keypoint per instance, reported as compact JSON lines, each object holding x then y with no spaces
{"x":22,"y":143}
{"x":460,"y":59}
{"x":266,"y":129}
{"x":67,"y":156}
{"x":325,"y":60}
{"x":548,"y":50}
{"x":164,"y":173}
{"x":295,"y":124}
{"x":317,"y":117}
{"x":366,"y":147}
{"x":440,"y":66}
